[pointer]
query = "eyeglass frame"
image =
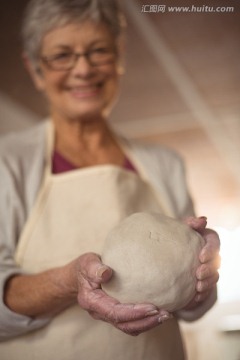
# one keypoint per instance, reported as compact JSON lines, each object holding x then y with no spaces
{"x":76,"y":56}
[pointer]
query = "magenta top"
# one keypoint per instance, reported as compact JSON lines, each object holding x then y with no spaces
{"x":60,"y":164}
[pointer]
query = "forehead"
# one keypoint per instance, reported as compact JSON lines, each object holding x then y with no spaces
{"x":77,"y":34}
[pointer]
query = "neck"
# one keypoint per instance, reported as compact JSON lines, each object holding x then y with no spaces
{"x":80,"y":134}
{"x":85,"y":142}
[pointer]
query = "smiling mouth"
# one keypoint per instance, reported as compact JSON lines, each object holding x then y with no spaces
{"x":86,"y":91}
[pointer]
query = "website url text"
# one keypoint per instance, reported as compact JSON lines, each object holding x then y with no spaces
{"x":184,"y":9}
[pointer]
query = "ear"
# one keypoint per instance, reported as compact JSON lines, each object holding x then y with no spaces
{"x":35,"y":73}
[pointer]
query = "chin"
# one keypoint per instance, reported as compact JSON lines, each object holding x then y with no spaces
{"x":92,"y":114}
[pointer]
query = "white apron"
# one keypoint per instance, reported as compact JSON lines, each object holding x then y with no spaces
{"x":72,"y":215}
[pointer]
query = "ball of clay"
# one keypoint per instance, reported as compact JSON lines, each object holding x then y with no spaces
{"x":154,"y":259}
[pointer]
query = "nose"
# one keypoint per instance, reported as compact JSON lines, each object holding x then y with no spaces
{"x":82,"y":66}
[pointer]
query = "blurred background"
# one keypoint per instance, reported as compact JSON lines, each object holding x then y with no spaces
{"x":181,"y":88}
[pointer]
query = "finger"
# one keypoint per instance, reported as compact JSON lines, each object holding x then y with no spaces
{"x":118,"y":313}
{"x":212,"y":246}
{"x":93,"y":270}
{"x":198,"y":224}
{"x":137,"y":327}
{"x":111,"y":310}
{"x":207,"y":284}
{"x":208,"y":269}
{"x":200,"y":297}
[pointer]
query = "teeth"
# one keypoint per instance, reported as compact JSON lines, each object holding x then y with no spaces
{"x":89,"y":87}
{"x":86,"y":88}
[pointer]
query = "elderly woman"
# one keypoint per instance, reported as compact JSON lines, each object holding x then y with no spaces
{"x":65,"y":183}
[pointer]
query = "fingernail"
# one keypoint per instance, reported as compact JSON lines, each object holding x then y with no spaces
{"x":101,"y":271}
{"x":164,"y":318}
{"x":152,"y":312}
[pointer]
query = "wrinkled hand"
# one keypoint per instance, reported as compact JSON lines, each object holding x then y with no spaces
{"x":132,"y":319}
{"x":207,"y":272}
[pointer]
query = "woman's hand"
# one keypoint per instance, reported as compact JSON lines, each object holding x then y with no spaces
{"x":132,"y":319}
{"x":207,"y":272}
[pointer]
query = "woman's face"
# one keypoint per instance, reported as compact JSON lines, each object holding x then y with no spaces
{"x":85,"y":90}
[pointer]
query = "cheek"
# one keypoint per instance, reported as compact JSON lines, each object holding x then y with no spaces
{"x":53,"y":81}
{"x":113,"y":81}
{"x":54,"y":89}
{"x":57,"y":82}
{"x":111,"y":93}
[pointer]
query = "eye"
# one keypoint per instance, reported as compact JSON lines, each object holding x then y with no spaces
{"x":61,"y":56}
{"x":100,"y":50}
{"x":101,"y":55}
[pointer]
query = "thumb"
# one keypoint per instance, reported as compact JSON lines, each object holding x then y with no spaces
{"x":198,"y":224}
{"x":93,"y":269}
{"x":104,"y":273}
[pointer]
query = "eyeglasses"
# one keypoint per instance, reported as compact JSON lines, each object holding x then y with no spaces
{"x":67,"y":60}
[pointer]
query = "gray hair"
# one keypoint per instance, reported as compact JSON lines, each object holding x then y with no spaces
{"x":41,"y":16}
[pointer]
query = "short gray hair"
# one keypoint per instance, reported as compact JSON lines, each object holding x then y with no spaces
{"x":41,"y":16}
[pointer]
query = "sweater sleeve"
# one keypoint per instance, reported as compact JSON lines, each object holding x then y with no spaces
{"x":200,"y":310}
{"x":14,"y":207}
{"x":177,"y":187}
{"x":166,"y":171}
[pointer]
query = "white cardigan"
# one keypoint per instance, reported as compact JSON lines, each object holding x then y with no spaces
{"x":22,"y":163}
